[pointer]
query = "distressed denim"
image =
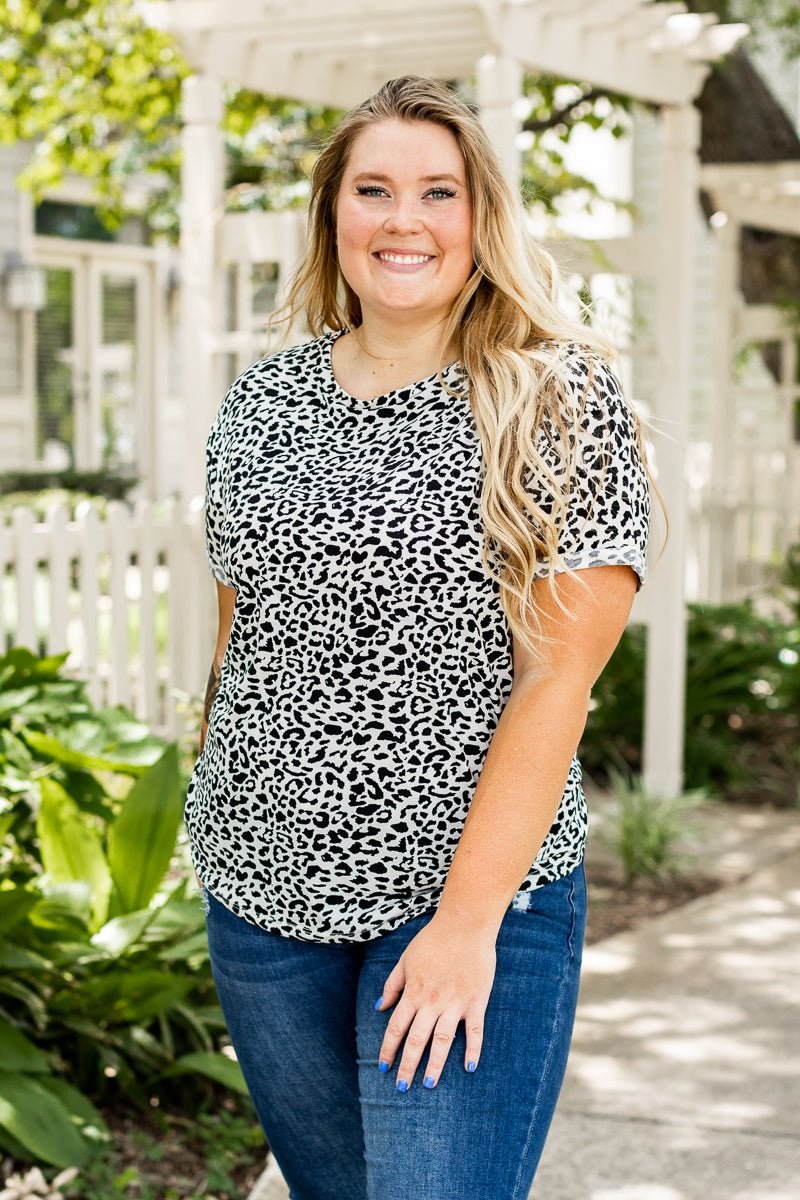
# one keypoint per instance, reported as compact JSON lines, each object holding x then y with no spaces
{"x":302,"y":1020}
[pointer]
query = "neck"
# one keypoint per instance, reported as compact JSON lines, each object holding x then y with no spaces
{"x":376,"y":358}
{"x":380,"y":344}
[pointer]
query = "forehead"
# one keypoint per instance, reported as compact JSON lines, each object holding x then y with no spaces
{"x":392,"y":146}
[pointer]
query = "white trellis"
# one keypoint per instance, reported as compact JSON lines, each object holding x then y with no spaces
{"x":339,"y":54}
{"x":761,"y":196}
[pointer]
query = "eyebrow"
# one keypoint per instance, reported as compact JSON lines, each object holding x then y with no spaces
{"x":379,"y":178}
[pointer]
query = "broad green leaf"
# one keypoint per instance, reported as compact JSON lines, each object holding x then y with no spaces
{"x":123,"y":995}
{"x":188,"y":948}
{"x":12,"y":701}
{"x":80,"y":1108}
{"x":15,"y":958}
{"x":39,"y":1120}
{"x":15,"y":904}
{"x":142,"y":839}
{"x":71,"y":849}
{"x":21,"y":665}
{"x":121,"y":932}
{"x":52,"y":748}
{"x":19,"y":1054}
{"x":15,"y":750}
{"x":214,"y":1066}
{"x":33,"y":1002}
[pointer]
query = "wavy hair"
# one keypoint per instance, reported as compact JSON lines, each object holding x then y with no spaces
{"x":513,"y":340}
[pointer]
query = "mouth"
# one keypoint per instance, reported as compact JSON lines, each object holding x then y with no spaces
{"x":400,"y":259}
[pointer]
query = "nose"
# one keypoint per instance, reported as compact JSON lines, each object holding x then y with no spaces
{"x":404,"y":217}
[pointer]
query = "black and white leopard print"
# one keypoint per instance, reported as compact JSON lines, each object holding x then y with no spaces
{"x":369,"y":658}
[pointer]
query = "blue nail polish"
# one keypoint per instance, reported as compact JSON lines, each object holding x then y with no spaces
{"x":470,"y":1066}
{"x":428,"y":1081}
{"x":378,"y":1003}
{"x":383,"y":1067}
{"x":402,"y":1085}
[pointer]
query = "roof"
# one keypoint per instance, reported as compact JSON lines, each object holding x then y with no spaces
{"x":337,"y":53}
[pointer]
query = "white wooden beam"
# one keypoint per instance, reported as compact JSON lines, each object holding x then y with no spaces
{"x":602,"y":59}
{"x":721,"y":545}
{"x":499,"y":89}
{"x":202,"y":190}
{"x":665,"y":679}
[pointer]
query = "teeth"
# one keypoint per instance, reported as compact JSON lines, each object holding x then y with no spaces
{"x":404,"y":258}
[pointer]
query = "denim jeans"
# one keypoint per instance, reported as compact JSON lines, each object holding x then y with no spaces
{"x":302,"y":1021}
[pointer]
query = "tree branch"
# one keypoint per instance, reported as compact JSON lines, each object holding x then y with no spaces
{"x":559,"y":115}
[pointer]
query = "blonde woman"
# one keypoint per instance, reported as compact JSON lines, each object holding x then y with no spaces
{"x":427,"y":527}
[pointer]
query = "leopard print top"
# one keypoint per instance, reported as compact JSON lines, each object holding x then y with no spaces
{"x":370,"y":658}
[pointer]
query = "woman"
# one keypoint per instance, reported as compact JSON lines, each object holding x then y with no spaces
{"x":427,"y":526}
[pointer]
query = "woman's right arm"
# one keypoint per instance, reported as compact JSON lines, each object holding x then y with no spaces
{"x":226,"y":599}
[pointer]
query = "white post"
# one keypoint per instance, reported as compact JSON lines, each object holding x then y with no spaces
{"x":666,"y":648}
{"x":722,"y":548}
{"x":499,"y":88}
{"x":201,"y":206}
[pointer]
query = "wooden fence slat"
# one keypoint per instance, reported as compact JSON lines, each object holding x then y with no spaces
{"x":59,"y":578}
{"x":119,"y":682}
{"x":88,"y":523}
{"x":26,"y":573}
{"x":148,"y":677}
{"x":176,"y":597}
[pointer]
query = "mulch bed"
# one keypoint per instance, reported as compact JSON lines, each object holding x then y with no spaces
{"x":615,"y":907}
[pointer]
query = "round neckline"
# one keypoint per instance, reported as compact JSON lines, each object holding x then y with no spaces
{"x":385,"y":399}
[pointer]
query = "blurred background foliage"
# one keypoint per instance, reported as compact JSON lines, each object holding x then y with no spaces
{"x":742,"y":725}
{"x":106,"y":993}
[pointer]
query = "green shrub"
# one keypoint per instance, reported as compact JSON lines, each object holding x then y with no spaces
{"x":742,"y":688}
{"x":105,"y":985}
{"x":647,"y":832}
{"x":112,"y":486}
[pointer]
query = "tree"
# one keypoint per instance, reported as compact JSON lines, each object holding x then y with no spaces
{"x":97,"y":92}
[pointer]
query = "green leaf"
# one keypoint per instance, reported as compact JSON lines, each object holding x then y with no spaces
{"x":52,"y":748}
{"x":123,"y":995}
{"x":118,"y":934}
{"x":15,"y":904}
{"x":40,"y":1121}
{"x":71,"y":850}
{"x":19,"y":1054}
{"x":142,"y":839}
{"x":15,"y":958}
{"x":82,"y":1112}
{"x":15,"y":699}
{"x":213,"y":1066}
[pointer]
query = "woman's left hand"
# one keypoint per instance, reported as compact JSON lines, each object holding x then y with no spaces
{"x":444,"y":976}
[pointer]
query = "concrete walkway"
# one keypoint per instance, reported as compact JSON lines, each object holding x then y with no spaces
{"x":684,"y":1076}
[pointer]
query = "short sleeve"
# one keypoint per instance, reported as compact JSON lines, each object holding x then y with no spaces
{"x":607,"y":517}
{"x":215,"y":498}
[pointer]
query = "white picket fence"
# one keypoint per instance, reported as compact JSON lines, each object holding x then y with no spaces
{"x":128,"y":597}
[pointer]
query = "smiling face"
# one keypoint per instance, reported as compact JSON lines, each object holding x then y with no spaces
{"x":404,"y":221}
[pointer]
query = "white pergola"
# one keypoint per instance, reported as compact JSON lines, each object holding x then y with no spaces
{"x":339,"y":54}
{"x":760,"y":196}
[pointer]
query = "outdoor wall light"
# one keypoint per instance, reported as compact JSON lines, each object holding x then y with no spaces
{"x":23,"y":284}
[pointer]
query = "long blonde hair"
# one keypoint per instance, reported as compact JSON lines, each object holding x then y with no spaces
{"x":513,"y":340}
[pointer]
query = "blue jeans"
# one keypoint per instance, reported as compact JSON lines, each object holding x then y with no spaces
{"x":302,"y":1021}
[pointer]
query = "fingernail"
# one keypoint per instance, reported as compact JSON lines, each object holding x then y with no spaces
{"x":428,"y":1081}
{"x":383,"y":1067}
{"x":402,"y":1085}
{"x":378,"y":1003}
{"x":470,"y":1066}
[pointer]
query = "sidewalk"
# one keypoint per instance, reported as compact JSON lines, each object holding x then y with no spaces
{"x":682,"y":1083}
{"x":683,"y":1078}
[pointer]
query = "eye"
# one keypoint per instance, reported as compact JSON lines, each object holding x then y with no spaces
{"x":439,"y":193}
{"x":370,"y":189}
